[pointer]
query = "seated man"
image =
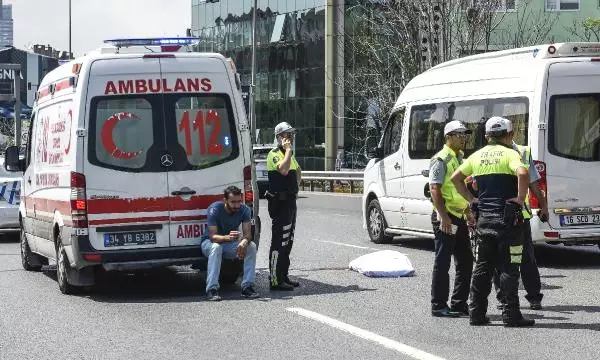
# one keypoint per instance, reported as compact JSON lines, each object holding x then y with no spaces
{"x":224,"y":240}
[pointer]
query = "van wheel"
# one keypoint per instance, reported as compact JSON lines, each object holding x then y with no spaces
{"x":376,"y":224}
{"x":30,"y":261}
{"x":62,"y":269}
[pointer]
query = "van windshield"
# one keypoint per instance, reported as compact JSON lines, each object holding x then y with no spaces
{"x":574,"y":127}
{"x":133,"y":133}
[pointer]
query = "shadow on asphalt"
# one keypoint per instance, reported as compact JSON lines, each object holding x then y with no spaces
{"x":182,"y":285}
{"x":547,"y":256}
{"x":497,"y":319}
{"x":562,"y":257}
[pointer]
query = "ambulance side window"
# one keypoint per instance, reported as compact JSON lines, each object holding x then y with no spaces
{"x":29,"y":141}
{"x":122,"y":132}
{"x":393,"y":133}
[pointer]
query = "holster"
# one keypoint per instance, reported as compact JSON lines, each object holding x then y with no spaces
{"x":513,"y":214}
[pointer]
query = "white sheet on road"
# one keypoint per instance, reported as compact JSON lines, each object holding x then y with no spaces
{"x":385,"y":263}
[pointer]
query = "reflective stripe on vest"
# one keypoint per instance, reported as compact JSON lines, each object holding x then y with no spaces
{"x":525,"y":153}
{"x":454,"y":203}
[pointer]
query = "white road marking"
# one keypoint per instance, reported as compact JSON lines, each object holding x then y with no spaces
{"x":388,"y":343}
{"x":320,"y":212}
{"x":348,"y":245}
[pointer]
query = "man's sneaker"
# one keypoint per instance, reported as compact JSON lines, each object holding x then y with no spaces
{"x":213,"y":295}
{"x":479,"y":321}
{"x":292,"y":282}
{"x":283,"y":287}
{"x":445,"y":312}
{"x":249,"y":292}
{"x":535,"y":305}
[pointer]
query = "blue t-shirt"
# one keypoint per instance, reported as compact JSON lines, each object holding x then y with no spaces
{"x":225,"y":222}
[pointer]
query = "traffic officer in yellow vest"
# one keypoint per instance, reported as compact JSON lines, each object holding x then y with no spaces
{"x":529,"y":270}
{"x":502,"y":182}
{"x":284,"y":179}
{"x":449,"y":226}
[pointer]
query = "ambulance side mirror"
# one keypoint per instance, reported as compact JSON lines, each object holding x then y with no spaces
{"x":12,"y":161}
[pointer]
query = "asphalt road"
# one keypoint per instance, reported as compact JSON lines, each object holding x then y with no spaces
{"x":335,"y":314}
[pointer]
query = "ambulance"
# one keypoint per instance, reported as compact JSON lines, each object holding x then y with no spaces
{"x":128,"y":147}
{"x":550,"y":92}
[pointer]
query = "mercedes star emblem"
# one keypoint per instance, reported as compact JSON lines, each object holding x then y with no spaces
{"x":166,"y":160}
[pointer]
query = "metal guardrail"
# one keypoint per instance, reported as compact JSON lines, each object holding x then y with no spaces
{"x":330,"y":181}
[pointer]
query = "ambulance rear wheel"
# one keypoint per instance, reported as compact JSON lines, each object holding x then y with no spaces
{"x":63,"y":268}
{"x":376,"y":223}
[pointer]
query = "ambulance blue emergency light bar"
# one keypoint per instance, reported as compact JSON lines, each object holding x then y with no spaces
{"x":173,"y":41}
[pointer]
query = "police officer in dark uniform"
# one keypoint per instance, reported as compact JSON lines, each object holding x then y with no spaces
{"x":284,"y":179}
{"x":502,"y":182}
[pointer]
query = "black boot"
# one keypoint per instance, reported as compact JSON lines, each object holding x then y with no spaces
{"x":514,"y":318}
{"x":291,"y":282}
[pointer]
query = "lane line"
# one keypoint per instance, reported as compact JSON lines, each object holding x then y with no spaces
{"x":367,"y":335}
{"x":348,"y":245}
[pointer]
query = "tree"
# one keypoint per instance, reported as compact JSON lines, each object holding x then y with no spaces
{"x":586,"y":30}
{"x":531,"y":26}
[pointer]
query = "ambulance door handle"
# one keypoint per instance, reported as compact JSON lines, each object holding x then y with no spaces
{"x":29,"y":180}
{"x":397,"y":166}
{"x":183,"y":192}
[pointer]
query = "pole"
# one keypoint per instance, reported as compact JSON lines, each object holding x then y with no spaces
{"x":253,"y":77}
{"x":70,"y":27}
{"x":17,"y":80}
{"x":255,"y":190}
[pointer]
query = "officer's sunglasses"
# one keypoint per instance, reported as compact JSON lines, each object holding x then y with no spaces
{"x":460,"y":134}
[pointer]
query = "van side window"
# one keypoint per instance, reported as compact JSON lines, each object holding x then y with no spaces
{"x":29,"y":140}
{"x":426,"y":131}
{"x":574,"y":126}
{"x":394,"y":133}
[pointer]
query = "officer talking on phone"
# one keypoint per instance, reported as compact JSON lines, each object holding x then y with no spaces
{"x":449,"y":221}
{"x":284,"y":179}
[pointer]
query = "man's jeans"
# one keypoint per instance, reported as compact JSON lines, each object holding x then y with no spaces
{"x":215,"y":253}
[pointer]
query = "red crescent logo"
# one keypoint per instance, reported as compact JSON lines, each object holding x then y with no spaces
{"x":107,"y":136}
{"x":68,"y":148}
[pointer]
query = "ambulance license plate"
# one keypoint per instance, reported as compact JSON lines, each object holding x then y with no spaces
{"x":130,"y":238}
{"x":580,"y":219}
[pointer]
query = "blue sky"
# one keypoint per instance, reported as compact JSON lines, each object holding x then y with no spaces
{"x":46,"y":21}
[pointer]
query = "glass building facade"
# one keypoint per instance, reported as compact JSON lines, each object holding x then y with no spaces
{"x":290,"y":59}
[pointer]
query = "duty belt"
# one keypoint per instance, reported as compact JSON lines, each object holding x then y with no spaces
{"x":280,"y":195}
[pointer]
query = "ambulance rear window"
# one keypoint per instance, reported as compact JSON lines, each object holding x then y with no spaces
{"x":204,"y":129}
{"x":122,"y":132}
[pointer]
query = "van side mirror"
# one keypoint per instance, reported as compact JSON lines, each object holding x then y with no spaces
{"x":12,"y":161}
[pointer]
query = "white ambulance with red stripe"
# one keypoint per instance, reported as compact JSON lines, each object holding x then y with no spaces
{"x":127,"y":149}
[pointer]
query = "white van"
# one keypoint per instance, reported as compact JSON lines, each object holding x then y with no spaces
{"x":128,"y":147}
{"x":551,"y":93}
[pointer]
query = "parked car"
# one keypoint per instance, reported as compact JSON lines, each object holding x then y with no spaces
{"x":10,"y":189}
{"x":260,"y":161}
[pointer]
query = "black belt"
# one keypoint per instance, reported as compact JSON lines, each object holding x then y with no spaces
{"x":282,"y":195}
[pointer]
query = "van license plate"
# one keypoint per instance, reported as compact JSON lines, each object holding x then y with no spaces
{"x":581,"y":219}
{"x":130,"y":238}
